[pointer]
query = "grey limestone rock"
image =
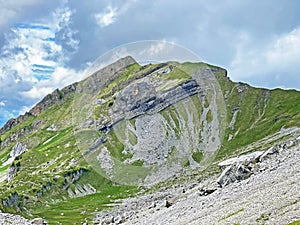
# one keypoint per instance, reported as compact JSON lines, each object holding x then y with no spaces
{"x":11,"y":172}
{"x":39,"y":221}
{"x":235,"y":172}
{"x":243,"y":159}
{"x":18,"y":149}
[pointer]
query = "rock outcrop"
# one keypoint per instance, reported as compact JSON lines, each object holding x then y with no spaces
{"x":243,"y":159}
{"x":11,"y":172}
{"x":81,"y":190}
{"x":18,"y":149}
{"x":11,"y":201}
{"x":134,"y":101}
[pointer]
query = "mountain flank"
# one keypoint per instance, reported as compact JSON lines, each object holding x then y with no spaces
{"x":162,"y":143}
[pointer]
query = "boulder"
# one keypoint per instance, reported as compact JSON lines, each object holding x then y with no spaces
{"x":39,"y":221}
{"x":206,"y":191}
{"x":233,"y":173}
{"x":270,"y":151}
{"x":243,"y":159}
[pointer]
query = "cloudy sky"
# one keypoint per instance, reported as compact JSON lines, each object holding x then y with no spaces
{"x":48,"y":44}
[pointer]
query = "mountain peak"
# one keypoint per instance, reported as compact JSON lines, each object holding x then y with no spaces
{"x":128,"y":126}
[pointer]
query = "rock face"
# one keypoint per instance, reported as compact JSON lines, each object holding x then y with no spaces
{"x":11,"y":201}
{"x":100,"y":77}
{"x":18,"y":149}
{"x":134,"y":101}
{"x":12,"y":122}
{"x":81,"y":190}
{"x":14,"y":137}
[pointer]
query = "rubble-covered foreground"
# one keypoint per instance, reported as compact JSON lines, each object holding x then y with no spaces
{"x":269,"y":196}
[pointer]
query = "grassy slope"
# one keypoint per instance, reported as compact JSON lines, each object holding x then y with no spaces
{"x":46,"y":165}
{"x":261,"y":113}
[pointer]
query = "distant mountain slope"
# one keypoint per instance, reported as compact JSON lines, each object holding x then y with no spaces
{"x":85,"y":147}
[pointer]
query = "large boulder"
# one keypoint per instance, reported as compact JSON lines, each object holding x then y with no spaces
{"x":243,"y":159}
{"x":233,"y":173}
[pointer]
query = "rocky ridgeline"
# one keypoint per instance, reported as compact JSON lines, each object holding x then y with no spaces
{"x":105,"y":75}
{"x":260,"y":187}
{"x":56,"y":96}
{"x":99,"y":78}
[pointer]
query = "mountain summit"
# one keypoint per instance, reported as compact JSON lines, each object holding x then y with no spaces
{"x":146,"y":132}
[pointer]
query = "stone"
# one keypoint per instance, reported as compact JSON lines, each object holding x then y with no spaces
{"x":39,"y":221}
{"x":107,"y":220}
{"x":152,"y":205}
{"x":244,"y":159}
{"x":119,"y":219}
{"x":206,"y":191}
{"x":233,"y":173}
{"x":270,"y":151}
{"x":168,"y":204}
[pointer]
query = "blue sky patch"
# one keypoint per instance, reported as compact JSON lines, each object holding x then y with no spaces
{"x":51,"y":39}
{"x":42,"y":72}
{"x":31,"y":26}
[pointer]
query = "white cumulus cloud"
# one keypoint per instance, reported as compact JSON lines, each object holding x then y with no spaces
{"x":37,"y":93}
{"x":34,"y":58}
{"x":11,"y":9}
{"x":274,"y":63}
{"x":107,"y":17}
{"x":285,"y":51}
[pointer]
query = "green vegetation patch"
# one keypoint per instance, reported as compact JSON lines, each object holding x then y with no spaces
{"x":78,"y":210}
{"x":197,"y":156}
{"x":297,"y":222}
